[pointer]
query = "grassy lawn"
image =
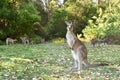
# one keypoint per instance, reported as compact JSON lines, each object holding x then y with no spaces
{"x":50,"y":61}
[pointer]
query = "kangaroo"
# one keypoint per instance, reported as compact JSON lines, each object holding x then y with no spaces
{"x":106,"y":40}
{"x":25,"y":40}
{"x":10,"y":40}
{"x":95,"y":41}
{"x":78,"y":49}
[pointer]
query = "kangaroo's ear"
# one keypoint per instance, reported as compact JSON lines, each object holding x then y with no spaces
{"x":67,"y":23}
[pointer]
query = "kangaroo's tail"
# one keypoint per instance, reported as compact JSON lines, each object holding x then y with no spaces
{"x":86,"y":63}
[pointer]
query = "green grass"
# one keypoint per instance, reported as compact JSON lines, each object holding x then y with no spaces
{"x":50,"y":61}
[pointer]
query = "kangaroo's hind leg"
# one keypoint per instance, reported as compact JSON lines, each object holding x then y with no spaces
{"x":75,"y":60}
{"x":79,"y":56}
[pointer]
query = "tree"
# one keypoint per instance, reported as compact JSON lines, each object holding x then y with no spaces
{"x":16,"y":18}
{"x":106,"y":23}
{"x":27,"y":15}
{"x":56,"y":26}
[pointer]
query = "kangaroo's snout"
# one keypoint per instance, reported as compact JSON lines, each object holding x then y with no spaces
{"x":69,"y":26}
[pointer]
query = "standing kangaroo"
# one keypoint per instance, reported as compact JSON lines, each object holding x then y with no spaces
{"x":10,"y":40}
{"x":78,"y":49}
{"x":25,"y":40}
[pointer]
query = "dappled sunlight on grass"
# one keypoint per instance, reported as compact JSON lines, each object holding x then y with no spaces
{"x":7,"y":65}
{"x":58,"y":40}
{"x":20,"y":59}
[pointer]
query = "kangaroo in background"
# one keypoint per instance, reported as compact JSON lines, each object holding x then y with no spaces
{"x":97,"y":41}
{"x":78,"y":49}
{"x":25,"y":40}
{"x":10,"y":40}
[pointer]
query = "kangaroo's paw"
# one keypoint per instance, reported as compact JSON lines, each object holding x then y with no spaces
{"x":79,"y":72}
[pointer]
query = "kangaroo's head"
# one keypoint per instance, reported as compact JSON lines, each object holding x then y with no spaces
{"x":69,"y":26}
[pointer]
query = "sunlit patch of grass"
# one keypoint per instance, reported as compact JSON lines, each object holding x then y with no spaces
{"x":7,"y":65}
{"x":58,"y":40}
{"x":20,"y":59}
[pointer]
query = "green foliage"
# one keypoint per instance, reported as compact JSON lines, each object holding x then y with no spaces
{"x":106,"y":23}
{"x":56,"y":26}
{"x":27,"y":16}
{"x":16,"y":18}
{"x":38,"y":30}
{"x":7,"y":17}
{"x":91,"y":30}
{"x":98,"y":20}
{"x":36,"y":39}
{"x":78,"y":11}
{"x":1,"y":42}
{"x":113,"y":23}
{"x":81,"y":12}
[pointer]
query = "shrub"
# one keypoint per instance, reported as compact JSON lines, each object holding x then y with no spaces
{"x":56,"y":26}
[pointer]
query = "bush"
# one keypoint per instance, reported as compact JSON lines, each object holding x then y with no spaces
{"x":1,"y":42}
{"x":36,"y":39}
{"x":17,"y":18}
{"x":56,"y":26}
{"x":104,"y":25}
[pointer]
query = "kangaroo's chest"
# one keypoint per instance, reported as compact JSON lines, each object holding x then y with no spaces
{"x":70,"y":39}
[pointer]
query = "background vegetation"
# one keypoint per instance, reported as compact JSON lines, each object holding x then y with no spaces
{"x":106,"y":22}
{"x":91,"y":18}
{"x":17,"y":18}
